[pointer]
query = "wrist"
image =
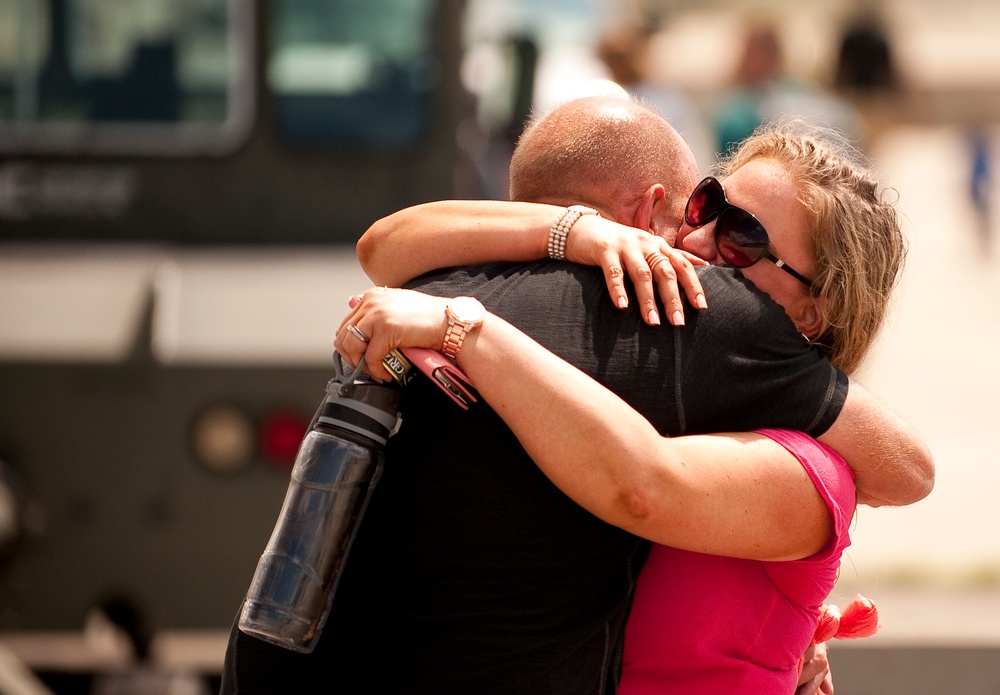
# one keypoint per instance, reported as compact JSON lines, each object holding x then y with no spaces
{"x":463,"y":314}
{"x":560,"y":229}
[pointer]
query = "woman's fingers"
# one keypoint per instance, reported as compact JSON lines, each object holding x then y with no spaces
{"x":681,"y":271}
{"x":641,"y":275}
{"x":639,"y":272}
{"x":695,"y":260}
{"x":653,"y":274}
{"x":353,"y":339}
{"x":664,"y":272}
{"x":615,"y":279}
{"x":390,"y":319}
{"x":665,"y":278}
{"x":655,"y":269}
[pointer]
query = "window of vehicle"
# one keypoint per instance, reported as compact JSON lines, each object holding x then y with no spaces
{"x":352,"y":73}
{"x":117,"y":76}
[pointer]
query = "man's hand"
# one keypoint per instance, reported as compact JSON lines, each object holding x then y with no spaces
{"x":815,"y":677}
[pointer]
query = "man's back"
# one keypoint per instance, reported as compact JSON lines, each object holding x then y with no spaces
{"x":491,"y":575}
{"x":472,"y":572}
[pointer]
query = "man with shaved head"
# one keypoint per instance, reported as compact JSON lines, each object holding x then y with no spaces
{"x":606,"y":153}
{"x":472,"y":573}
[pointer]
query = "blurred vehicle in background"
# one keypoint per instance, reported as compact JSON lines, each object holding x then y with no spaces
{"x":181,"y":184}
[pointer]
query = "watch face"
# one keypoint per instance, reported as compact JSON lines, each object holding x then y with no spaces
{"x":466,"y":310}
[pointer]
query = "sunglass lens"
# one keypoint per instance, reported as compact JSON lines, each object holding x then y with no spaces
{"x":704,"y":203}
{"x":740,"y":238}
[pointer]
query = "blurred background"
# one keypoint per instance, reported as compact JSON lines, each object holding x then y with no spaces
{"x":181,"y":186}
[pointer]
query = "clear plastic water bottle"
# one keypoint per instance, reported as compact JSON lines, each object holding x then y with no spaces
{"x":338,"y":463}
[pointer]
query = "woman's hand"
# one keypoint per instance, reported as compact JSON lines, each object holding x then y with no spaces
{"x":652,"y":264}
{"x":389,"y":319}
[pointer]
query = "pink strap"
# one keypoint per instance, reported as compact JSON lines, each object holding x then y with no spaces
{"x":444,"y":372}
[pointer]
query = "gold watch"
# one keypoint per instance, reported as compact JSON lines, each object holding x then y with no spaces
{"x":464,"y":314}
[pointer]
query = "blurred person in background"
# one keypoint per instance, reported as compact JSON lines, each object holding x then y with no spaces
{"x":866,"y":74}
{"x":865,"y":61}
{"x":761,"y":89}
{"x":981,"y":185}
{"x":626,"y":49}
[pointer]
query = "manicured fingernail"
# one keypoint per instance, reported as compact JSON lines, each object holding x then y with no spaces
{"x":654,"y":318}
{"x":678,"y":318}
{"x":700,"y":301}
{"x":623,"y":302}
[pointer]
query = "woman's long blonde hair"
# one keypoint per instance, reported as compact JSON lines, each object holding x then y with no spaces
{"x":857,"y":242}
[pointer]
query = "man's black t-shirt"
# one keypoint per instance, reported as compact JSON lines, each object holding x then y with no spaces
{"x":472,"y":573}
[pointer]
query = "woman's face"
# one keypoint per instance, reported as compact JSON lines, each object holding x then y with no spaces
{"x":763,"y":188}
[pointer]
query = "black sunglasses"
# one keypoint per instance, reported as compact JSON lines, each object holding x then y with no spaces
{"x":739,"y":236}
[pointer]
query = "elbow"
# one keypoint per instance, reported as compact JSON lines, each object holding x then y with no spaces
{"x":917,"y":481}
{"x":921,"y":474}
{"x":636,"y":506}
{"x":365,"y":249}
{"x":925,"y":474}
{"x":381,"y":248}
{"x":649,"y":497}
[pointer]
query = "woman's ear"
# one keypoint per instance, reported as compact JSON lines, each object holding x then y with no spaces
{"x":809,"y":318}
{"x":645,"y":213}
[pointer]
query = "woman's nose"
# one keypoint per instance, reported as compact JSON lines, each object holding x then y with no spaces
{"x":699,"y":241}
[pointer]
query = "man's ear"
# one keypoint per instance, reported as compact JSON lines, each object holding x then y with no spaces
{"x":645,"y":217}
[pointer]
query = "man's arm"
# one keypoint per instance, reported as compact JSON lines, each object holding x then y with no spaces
{"x":892,"y":463}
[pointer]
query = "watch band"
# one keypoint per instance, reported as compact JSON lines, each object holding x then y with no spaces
{"x":560,"y":229}
{"x":464,"y":314}
{"x":454,"y":337}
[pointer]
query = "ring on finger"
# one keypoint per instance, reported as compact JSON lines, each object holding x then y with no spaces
{"x":356,"y":332}
{"x":656,"y":259}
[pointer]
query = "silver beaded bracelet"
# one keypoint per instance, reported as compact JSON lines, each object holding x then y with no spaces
{"x":560,"y":229}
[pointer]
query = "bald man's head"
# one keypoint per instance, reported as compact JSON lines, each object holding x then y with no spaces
{"x":604,"y":152}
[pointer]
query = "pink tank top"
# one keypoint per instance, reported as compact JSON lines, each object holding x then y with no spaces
{"x":707,"y":624}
